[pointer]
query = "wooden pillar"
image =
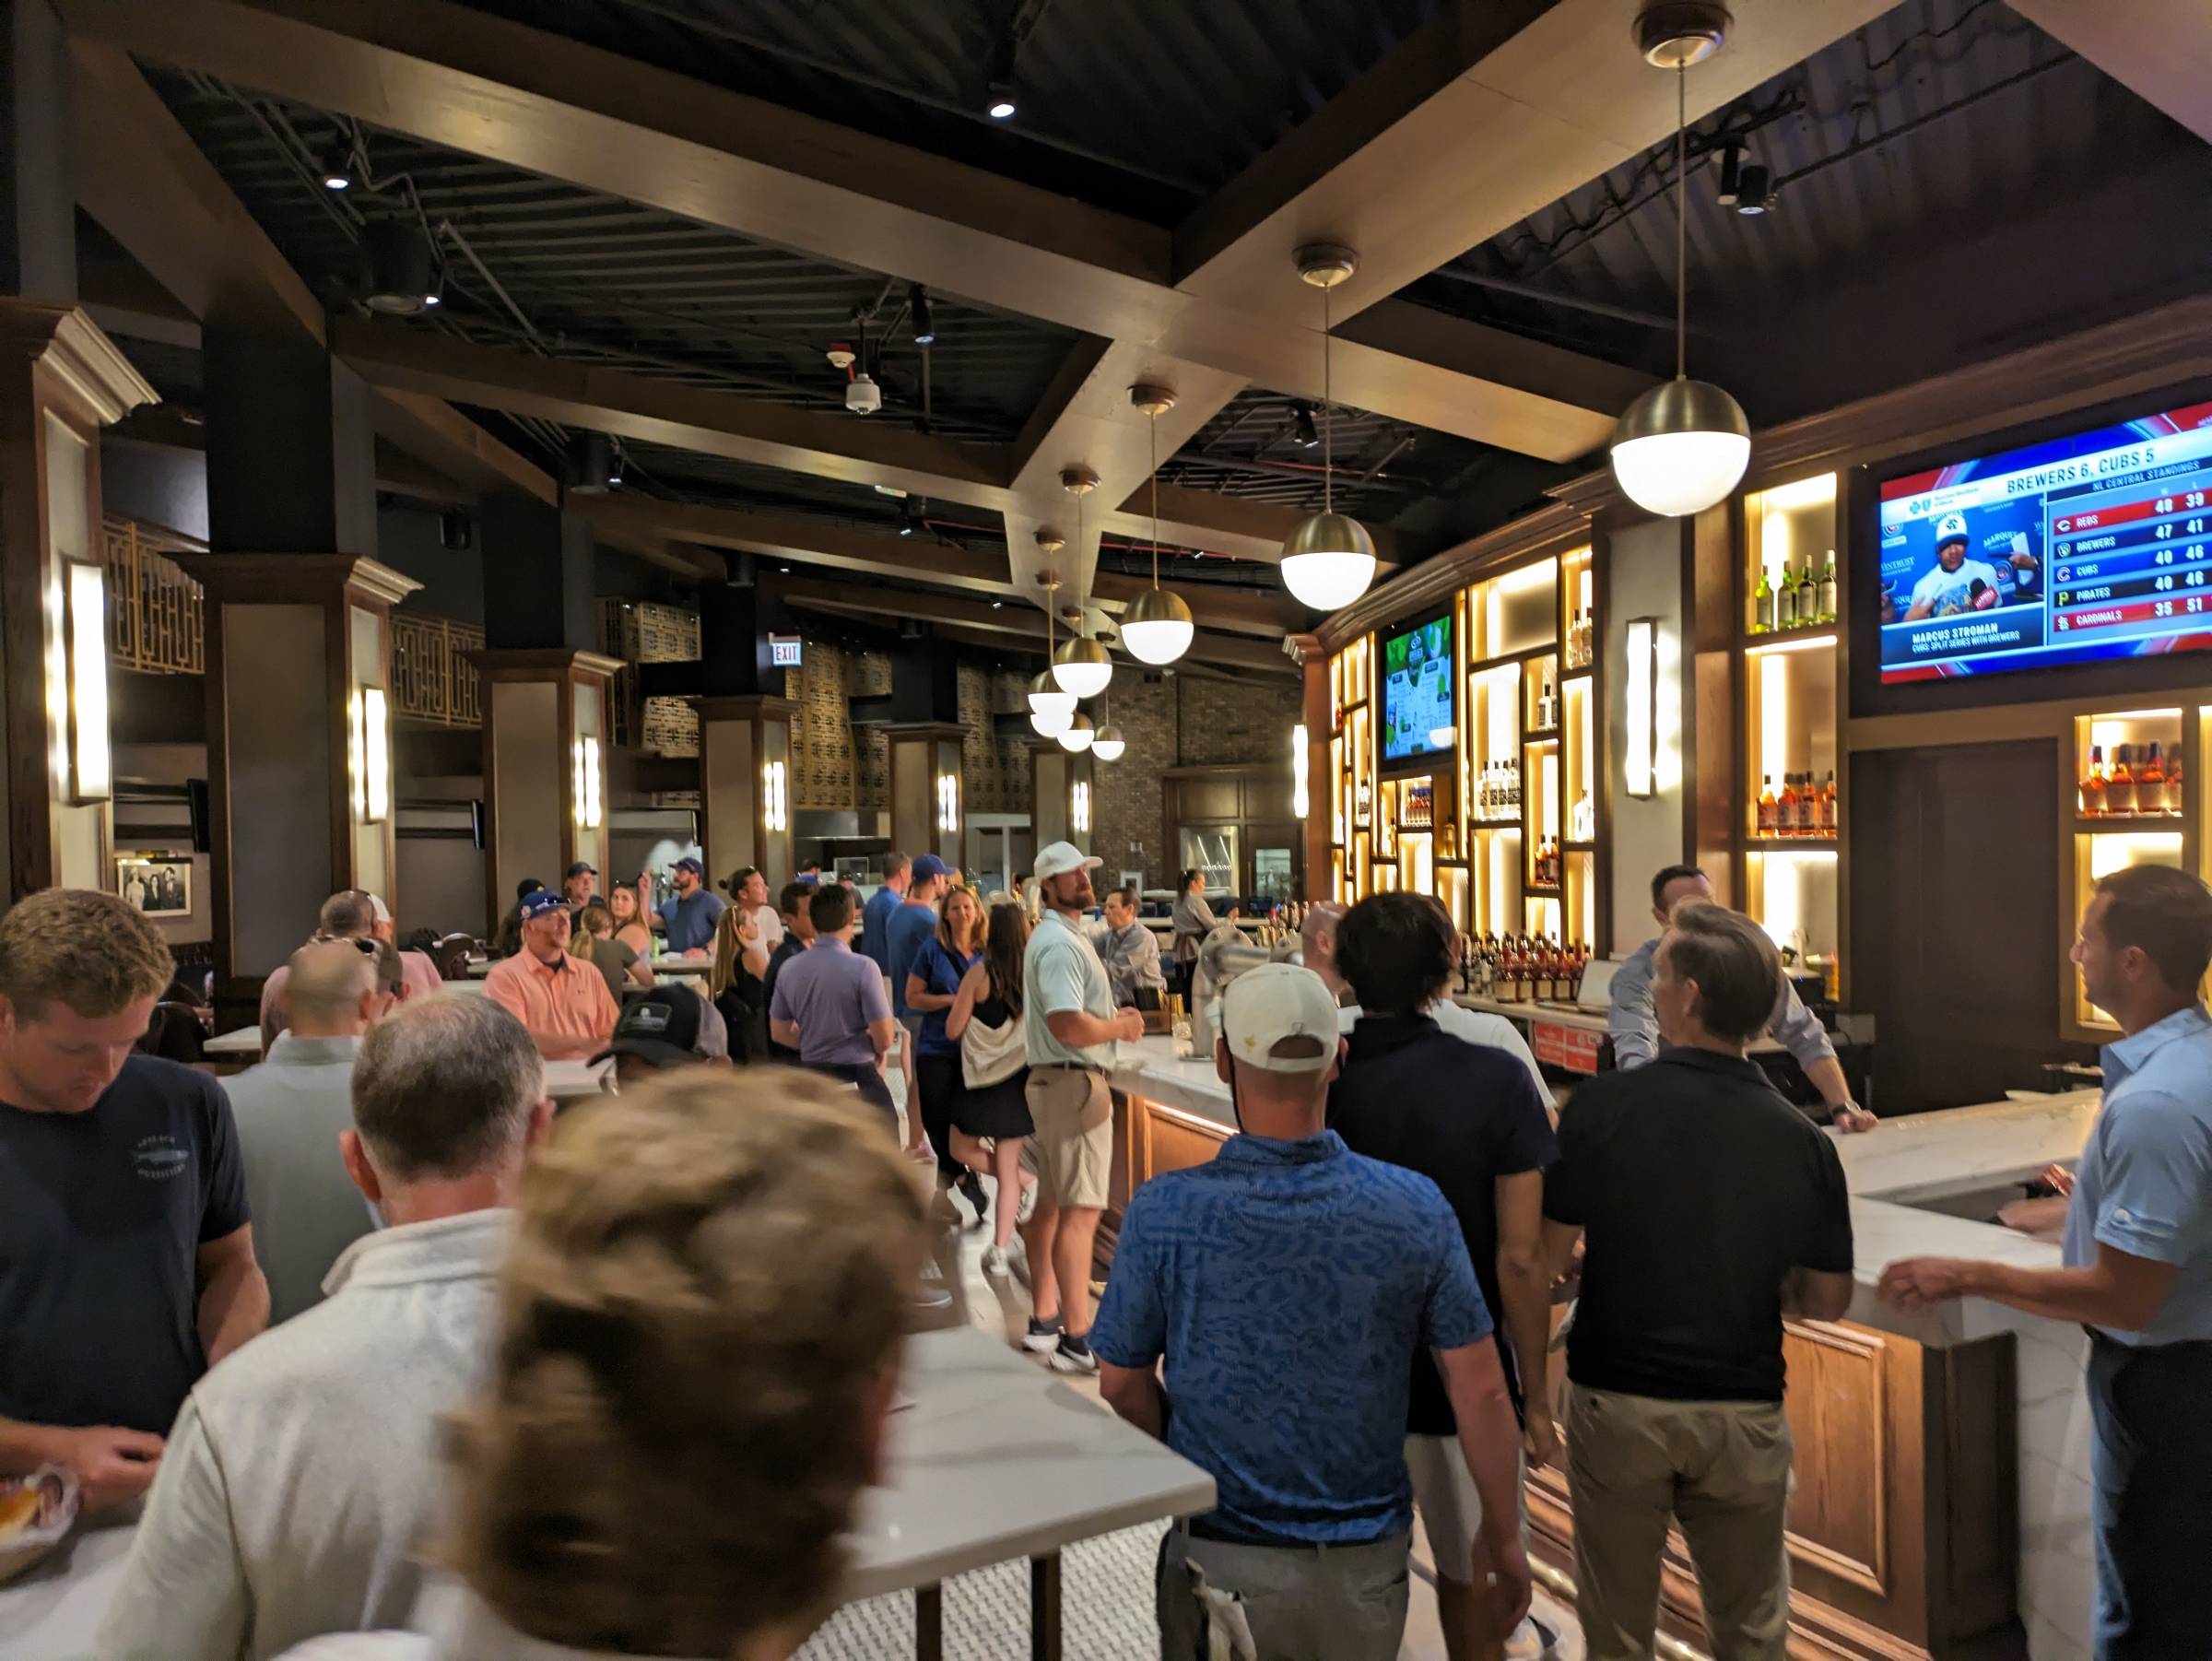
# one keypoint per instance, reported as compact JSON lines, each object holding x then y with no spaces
{"x":1063,"y":795}
{"x":745,"y":784}
{"x":928,"y":812}
{"x":61,"y":381}
{"x":546,"y":725}
{"x":300,"y":773}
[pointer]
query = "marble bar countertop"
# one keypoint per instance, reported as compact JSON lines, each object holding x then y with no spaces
{"x":1895,"y":1173}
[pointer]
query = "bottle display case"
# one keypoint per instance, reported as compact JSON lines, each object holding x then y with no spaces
{"x":2134,"y":802}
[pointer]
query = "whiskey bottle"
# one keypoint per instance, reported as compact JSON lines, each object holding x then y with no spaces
{"x":2173,"y":784}
{"x":1829,"y":817}
{"x":2092,"y":785}
{"x":1787,"y":822}
{"x":1769,"y":809}
{"x":2120,"y":784}
{"x":2151,"y":783}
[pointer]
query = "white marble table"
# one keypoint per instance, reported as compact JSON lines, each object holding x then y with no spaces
{"x":566,"y":1080}
{"x":245,"y":1040}
{"x":997,"y":1460}
{"x":52,"y":1611}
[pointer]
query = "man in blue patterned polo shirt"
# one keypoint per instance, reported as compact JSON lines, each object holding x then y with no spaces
{"x":1287,"y":1284}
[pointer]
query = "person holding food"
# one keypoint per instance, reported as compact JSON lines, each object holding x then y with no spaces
{"x":126,"y":1256}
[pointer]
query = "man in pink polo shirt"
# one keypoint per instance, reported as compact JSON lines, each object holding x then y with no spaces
{"x":563,"y":1001}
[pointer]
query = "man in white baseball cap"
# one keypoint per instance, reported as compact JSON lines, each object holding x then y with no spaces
{"x":1955,"y":582}
{"x":1069,"y":1026}
{"x":1287,"y":1284}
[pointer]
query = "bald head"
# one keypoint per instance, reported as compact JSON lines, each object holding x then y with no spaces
{"x":333,"y":990}
{"x":346,"y":915}
{"x":1317,"y":941}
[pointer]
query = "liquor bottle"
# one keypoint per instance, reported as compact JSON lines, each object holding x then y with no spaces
{"x":2092,"y":785}
{"x":1787,"y":822}
{"x":1826,"y":599}
{"x":1829,"y":817}
{"x":2173,"y":784}
{"x":2120,"y":784}
{"x":1762,"y":605}
{"x":1786,"y":600}
{"x":2150,"y":784}
{"x":1547,"y":699}
{"x":1808,"y":597}
{"x":1769,"y":809}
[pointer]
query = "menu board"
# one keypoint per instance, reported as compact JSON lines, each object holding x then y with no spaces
{"x":2091,"y":546}
{"x":1418,"y":685}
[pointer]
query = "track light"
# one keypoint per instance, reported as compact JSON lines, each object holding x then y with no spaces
{"x":925,"y":320}
{"x":614,"y":466}
{"x":401,"y":276}
{"x":338,"y":166}
{"x":910,"y":515}
{"x":1303,"y":433}
{"x":592,"y":466}
{"x":1755,"y":191}
{"x":998,"y":78}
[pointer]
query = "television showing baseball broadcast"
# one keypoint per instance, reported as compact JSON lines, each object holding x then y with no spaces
{"x":2090,"y":546}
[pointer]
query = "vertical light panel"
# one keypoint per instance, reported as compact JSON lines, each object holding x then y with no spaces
{"x":1774,"y":715}
{"x":1301,"y":765}
{"x":91,"y":772}
{"x":1078,"y":807}
{"x":948,"y":802}
{"x":590,"y":805}
{"x":775,"y":806}
{"x":356,"y":754}
{"x":376,"y":754}
{"x":1641,"y":683}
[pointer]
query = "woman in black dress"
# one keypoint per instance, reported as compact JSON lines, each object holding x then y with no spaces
{"x":992,"y":1115}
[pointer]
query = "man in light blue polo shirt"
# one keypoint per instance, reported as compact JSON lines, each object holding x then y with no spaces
{"x":1069,"y":1025}
{"x":2137,"y":1265}
{"x":1288,"y":1284}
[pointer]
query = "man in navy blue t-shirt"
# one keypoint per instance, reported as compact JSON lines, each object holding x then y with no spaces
{"x":1288,"y":1285}
{"x":875,"y":917}
{"x":688,"y":920}
{"x":126,"y":1260}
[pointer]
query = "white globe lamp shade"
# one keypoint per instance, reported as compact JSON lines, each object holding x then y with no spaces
{"x":1681,"y":448}
{"x":1157,"y":628}
{"x":1081,"y":667}
{"x":1045,"y":696}
{"x":1077,"y":735}
{"x":1328,"y":561}
{"x":1109,"y":744}
{"x":1052,"y":720}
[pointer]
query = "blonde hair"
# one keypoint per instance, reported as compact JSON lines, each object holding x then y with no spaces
{"x":594,"y":921}
{"x":703,"y":1302}
{"x":80,"y":948}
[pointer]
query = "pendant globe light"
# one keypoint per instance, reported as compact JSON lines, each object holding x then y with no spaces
{"x":1682,"y":446}
{"x":1079,"y":736}
{"x":1157,"y":627}
{"x":1329,"y":558}
{"x":1107,"y":744}
{"x":1050,"y":708}
{"x":1081,"y":666}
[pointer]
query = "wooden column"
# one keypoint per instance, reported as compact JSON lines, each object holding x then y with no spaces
{"x":298,"y":744}
{"x":1057,"y":805}
{"x":923,"y":754}
{"x":745,"y":784}
{"x":61,"y":381}
{"x":545,"y":725}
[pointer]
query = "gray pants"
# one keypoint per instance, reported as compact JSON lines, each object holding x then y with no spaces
{"x":1312,"y":1603}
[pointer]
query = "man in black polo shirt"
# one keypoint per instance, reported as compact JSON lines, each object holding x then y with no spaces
{"x":1710,"y":1207}
{"x":1467,"y":1118}
{"x":126,"y":1260}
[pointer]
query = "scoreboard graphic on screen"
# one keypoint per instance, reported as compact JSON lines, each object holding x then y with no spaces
{"x":2092,"y":547}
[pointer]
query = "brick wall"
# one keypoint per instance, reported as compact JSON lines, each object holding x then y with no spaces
{"x":822,"y":732}
{"x":830,"y":772}
{"x":1185,"y":720}
{"x":995,"y":772}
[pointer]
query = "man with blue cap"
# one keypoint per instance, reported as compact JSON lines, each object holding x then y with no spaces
{"x":688,"y":920}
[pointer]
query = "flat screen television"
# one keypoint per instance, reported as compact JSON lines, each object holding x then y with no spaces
{"x":2089,"y":547}
{"x":1420,"y":695}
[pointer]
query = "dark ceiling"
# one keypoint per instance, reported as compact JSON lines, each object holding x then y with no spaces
{"x":1950,"y":183}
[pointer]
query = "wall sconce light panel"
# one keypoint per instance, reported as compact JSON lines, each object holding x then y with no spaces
{"x":91,"y":763}
{"x":376,"y":754}
{"x":1642,"y":683}
{"x":948,"y":802}
{"x":1078,"y":807}
{"x":590,"y":800}
{"x":1301,"y":767}
{"x":775,"y":805}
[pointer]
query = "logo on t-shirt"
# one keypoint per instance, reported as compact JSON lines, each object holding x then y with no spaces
{"x":158,"y":1158}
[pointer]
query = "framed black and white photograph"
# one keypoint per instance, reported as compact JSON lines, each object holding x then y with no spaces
{"x":157,"y":885}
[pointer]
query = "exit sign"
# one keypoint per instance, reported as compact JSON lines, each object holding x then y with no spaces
{"x":784,"y":651}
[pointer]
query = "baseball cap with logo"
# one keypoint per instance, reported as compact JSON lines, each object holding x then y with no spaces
{"x":691,"y":864}
{"x":928,"y":866}
{"x":660,"y":1025}
{"x":1951,"y":527}
{"x":1281,"y":1019}
{"x":1059,"y":858}
{"x":538,"y":903}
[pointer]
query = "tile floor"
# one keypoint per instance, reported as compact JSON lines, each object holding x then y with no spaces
{"x":1109,"y":1591}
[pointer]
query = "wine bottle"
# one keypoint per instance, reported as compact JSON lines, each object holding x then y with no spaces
{"x":1827,"y":596}
{"x":1786,"y":600}
{"x":1808,"y":597}
{"x":1762,"y":605}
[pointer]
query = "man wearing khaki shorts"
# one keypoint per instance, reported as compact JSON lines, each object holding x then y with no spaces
{"x":1069,"y":1025}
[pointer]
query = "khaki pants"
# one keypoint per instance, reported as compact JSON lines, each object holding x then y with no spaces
{"x":1719,"y":1468}
{"x":1277,"y":1602}
{"x":1073,"y":1112}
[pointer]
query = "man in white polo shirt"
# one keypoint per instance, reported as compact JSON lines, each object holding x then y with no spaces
{"x":1069,"y":1025}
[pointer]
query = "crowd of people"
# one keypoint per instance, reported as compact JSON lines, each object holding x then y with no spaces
{"x":542,"y":1396}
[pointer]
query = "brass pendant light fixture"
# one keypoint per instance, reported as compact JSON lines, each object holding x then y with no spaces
{"x":1157,"y":625}
{"x":1682,"y":446}
{"x":1050,"y":708}
{"x":1329,"y":559}
{"x":1081,"y":666}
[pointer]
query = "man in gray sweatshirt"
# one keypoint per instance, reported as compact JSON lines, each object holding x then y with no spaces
{"x":296,"y":1488}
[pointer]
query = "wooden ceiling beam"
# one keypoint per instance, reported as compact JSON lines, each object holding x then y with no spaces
{"x":2159,"y":50}
{"x":817,"y":543}
{"x":435,"y":432}
{"x":450,"y":76}
{"x":1492,"y":110}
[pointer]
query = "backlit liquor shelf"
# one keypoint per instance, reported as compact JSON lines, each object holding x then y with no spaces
{"x":1462,"y":756}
